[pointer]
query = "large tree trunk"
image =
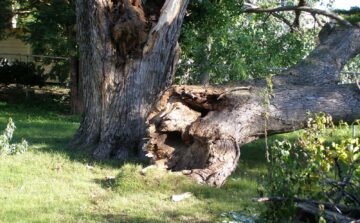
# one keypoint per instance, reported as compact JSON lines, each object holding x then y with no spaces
{"x":127,"y":56}
{"x":198,"y":130}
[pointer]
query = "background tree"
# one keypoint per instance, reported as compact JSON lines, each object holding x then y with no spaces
{"x":51,"y":30}
{"x":5,"y":17}
{"x":49,"y":27}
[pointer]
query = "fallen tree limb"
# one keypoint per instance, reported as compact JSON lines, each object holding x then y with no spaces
{"x":333,"y":207}
{"x":311,"y":10}
{"x":331,"y":212}
{"x":192,"y":131}
{"x":197,"y":130}
{"x":329,"y":216}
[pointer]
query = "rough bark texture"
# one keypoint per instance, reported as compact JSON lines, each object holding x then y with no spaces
{"x":198,"y":130}
{"x":128,"y":52}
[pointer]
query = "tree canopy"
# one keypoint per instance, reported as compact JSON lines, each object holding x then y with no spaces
{"x":5,"y":17}
{"x":223,"y":39}
{"x":217,"y":38}
{"x":48,"y":26}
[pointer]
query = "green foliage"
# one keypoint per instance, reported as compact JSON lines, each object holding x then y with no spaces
{"x":204,"y":33}
{"x":21,"y":73}
{"x":6,"y":147}
{"x":313,"y":168}
{"x":48,"y":26}
{"x":51,"y":31}
{"x":233,"y":46}
{"x":5,"y":17}
{"x":352,"y":15}
{"x":347,"y":75}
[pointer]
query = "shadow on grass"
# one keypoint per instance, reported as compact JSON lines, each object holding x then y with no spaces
{"x":106,"y":183}
{"x":49,"y":131}
{"x":136,"y":219}
{"x":110,"y":218}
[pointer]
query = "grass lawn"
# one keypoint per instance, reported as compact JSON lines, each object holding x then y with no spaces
{"x":52,"y":182}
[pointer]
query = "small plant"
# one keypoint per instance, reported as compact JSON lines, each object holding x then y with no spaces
{"x":267,"y":94}
{"x":6,"y":147}
{"x":313,"y":170}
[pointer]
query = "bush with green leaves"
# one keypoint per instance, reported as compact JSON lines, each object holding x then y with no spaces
{"x":313,"y":168}
{"x":6,"y":147}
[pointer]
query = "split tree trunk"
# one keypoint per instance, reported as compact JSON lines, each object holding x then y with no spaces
{"x":128,"y":52}
{"x":198,"y":130}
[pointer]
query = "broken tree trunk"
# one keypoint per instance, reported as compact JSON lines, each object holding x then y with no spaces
{"x":128,"y":51}
{"x":199,"y":130}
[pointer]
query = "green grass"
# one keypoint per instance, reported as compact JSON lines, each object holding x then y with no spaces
{"x":52,"y":182}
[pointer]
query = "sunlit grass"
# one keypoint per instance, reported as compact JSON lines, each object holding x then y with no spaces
{"x":52,"y":182}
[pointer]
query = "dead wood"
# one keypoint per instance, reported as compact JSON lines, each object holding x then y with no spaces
{"x":331,"y":212}
{"x":199,"y":130}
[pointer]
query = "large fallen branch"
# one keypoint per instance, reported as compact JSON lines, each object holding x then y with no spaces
{"x":198,"y":130}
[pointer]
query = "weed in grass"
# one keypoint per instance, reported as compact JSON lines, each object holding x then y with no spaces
{"x":8,"y":148}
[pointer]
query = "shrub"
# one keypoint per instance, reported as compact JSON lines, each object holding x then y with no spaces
{"x":6,"y":76}
{"x":6,"y":147}
{"x":21,"y":73}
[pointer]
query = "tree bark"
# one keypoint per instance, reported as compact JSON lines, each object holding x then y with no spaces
{"x":128,"y":52}
{"x":198,"y":130}
{"x":75,"y":92}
